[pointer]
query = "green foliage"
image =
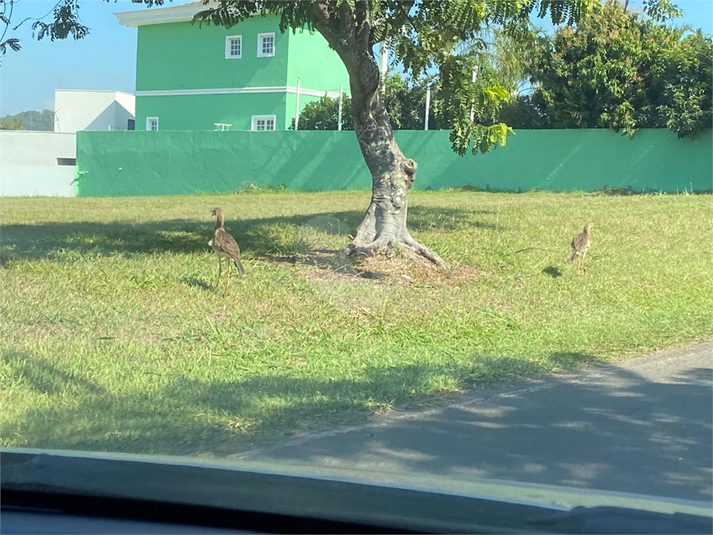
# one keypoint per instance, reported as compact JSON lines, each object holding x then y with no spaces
{"x":64,"y":21}
{"x":10,"y":123}
{"x":404,"y":98}
{"x":684,"y":102}
{"x":661,"y":10}
{"x":29,"y":120}
{"x":323,"y":114}
{"x":523,"y":113}
{"x":624,"y":70}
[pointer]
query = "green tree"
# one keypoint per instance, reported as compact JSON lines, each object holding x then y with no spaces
{"x":35,"y":120}
{"x":422,"y":35}
{"x":10,"y":123}
{"x":625,"y":70}
{"x":524,"y":113}
{"x":500,"y":61}
{"x":404,"y":98}
{"x":323,"y":114}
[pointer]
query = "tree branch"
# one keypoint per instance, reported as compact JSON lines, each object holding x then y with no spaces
{"x":346,"y":20}
{"x":325,"y":23}
{"x":23,"y":21}
{"x":8,"y":18}
{"x":362,"y":15}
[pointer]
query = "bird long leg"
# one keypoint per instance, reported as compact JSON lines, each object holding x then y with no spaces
{"x":227,"y":278}
{"x":220,"y":268}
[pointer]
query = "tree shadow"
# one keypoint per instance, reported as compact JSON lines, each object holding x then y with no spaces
{"x":163,"y":420}
{"x":613,"y":430}
{"x":258,"y":237}
{"x":422,"y":218}
{"x":626,"y":433}
{"x":46,"y":378}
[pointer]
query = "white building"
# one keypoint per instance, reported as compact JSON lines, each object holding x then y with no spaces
{"x":44,"y":163}
{"x":76,"y":110}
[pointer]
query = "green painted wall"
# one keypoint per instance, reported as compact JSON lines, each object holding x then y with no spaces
{"x":183,"y":56}
{"x":161,"y":163}
{"x":317,"y":65}
{"x":200,"y":112}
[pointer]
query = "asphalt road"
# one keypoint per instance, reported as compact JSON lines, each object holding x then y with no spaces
{"x":644,"y":426}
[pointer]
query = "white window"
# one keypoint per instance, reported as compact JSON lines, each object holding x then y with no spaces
{"x":265,"y":45}
{"x":152,"y":123}
{"x":234,"y":47}
{"x":263,"y":122}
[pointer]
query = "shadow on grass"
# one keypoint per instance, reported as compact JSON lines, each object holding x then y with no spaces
{"x":257,"y":237}
{"x":627,"y":433}
{"x":263,"y":409}
{"x":46,"y":378}
{"x":552,"y":272}
{"x":197,"y":283}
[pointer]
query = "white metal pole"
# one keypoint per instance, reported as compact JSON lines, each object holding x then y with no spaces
{"x":384,"y":63}
{"x":341,"y":97}
{"x":428,"y":106}
{"x":297,"y":106}
{"x":472,"y":104}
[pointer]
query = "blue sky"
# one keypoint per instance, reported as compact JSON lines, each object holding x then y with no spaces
{"x":105,"y":59}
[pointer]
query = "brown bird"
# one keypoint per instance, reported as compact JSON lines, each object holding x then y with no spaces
{"x":225,"y":246}
{"x":581,"y":243}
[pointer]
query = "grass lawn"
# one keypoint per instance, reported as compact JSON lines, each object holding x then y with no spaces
{"x":113,"y":337}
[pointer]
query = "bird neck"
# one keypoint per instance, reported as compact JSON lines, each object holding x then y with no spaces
{"x":586,"y":230}
{"x":219,"y":221}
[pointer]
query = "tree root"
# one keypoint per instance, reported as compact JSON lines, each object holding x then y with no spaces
{"x":425,"y":252}
{"x":414,"y":249}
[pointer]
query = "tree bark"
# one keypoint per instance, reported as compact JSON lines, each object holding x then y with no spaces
{"x":384,"y":223}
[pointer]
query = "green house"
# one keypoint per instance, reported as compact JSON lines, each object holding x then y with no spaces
{"x":248,"y":77}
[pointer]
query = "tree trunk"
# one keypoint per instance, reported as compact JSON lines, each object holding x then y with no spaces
{"x":384,"y":223}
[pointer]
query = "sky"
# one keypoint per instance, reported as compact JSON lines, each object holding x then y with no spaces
{"x":106,"y":58}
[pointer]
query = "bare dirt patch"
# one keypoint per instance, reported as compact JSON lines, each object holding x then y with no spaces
{"x":395,"y":268}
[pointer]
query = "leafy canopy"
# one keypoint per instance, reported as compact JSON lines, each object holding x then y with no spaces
{"x":29,"y":120}
{"x":625,"y":70}
{"x":63,"y":22}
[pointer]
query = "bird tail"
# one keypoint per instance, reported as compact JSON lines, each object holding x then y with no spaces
{"x":574,"y":255}
{"x":239,"y":266}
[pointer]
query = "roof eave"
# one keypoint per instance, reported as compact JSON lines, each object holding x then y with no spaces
{"x":135,"y":19}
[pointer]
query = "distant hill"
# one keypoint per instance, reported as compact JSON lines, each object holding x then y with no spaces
{"x":29,"y":120}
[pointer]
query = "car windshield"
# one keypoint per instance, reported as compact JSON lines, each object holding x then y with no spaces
{"x":470,"y":240}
